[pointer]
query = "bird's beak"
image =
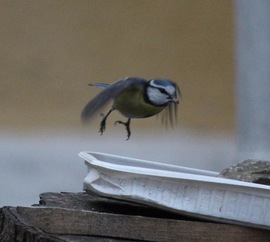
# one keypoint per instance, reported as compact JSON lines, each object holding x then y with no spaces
{"x":175,"y":100}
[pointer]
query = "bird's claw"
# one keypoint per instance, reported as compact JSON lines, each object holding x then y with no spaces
{"x":102,"y":124}
{"x":102,"y":127}
{"x":127,"y":126}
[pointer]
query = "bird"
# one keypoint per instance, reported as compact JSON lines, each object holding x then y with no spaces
{"x":134,"y":98}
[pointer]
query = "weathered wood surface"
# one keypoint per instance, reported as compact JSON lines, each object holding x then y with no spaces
{"x":256,"y":171}
{"x":86,"y":217}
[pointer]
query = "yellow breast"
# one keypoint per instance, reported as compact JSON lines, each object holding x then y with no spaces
{"x":131,"y":104}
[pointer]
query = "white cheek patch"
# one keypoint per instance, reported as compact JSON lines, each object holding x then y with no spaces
{"x":156,"y":97}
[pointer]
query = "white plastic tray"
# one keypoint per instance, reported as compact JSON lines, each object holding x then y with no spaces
{"x":193,"y":192}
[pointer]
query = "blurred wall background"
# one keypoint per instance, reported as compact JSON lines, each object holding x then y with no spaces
{"x":50,"y":50}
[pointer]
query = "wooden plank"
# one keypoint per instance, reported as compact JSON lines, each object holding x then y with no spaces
{"x":81,"y":217}
{"x":92,"y":202}
{"x":16,"y":228}
{"x":80,"y":222}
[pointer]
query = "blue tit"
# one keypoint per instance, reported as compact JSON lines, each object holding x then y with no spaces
{"x":134,"y":97}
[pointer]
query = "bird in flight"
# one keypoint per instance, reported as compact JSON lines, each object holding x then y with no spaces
{"x":134,"y":97}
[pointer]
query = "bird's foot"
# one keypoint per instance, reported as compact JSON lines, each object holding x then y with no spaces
{"x":127,"y":125}
{"x":102,"y":124}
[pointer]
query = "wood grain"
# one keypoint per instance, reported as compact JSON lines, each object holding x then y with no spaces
{"x":81,"y":217}
{"x":80,"y":222}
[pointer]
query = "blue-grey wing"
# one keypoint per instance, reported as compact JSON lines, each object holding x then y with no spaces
{"x":107,"y":94}
{"x":101,"y":85}
{"x":169,"y":115}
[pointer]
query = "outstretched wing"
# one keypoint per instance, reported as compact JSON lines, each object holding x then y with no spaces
{"x":109,"y":93}
{"x":101,"y":85}
{"x":169,"y":115}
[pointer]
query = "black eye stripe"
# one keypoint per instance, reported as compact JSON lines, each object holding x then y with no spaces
{"x":163,"y":91}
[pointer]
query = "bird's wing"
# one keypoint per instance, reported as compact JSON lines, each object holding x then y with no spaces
{"x":101,"y":85}
{"x":169,"y":116}
{"x":109,"y":93}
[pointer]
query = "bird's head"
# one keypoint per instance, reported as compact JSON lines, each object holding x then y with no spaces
{"x":160,"y":92}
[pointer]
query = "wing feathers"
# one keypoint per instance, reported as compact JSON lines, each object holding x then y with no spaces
{"x":106,"y":95}
{"x":101,"y":85}
{"x":169,"y":115}
{"x":109,"y":92}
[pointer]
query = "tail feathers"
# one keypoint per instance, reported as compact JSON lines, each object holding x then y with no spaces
{"x":101,"y":85}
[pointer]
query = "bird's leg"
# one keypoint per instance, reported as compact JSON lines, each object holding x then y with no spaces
{"x":127,"y":124}
{"x":103,"y":121}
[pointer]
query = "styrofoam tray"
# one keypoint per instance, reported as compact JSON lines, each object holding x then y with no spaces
{"x":188,"y":191}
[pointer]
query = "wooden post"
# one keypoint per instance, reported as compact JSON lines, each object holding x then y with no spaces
{"x":252,"y":32}
{"x":81,"y":217}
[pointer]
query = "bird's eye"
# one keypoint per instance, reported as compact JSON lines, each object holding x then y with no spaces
{"x":162,"y":91}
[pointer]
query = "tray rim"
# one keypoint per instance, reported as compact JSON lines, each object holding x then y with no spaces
{"x":89,"y":158}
